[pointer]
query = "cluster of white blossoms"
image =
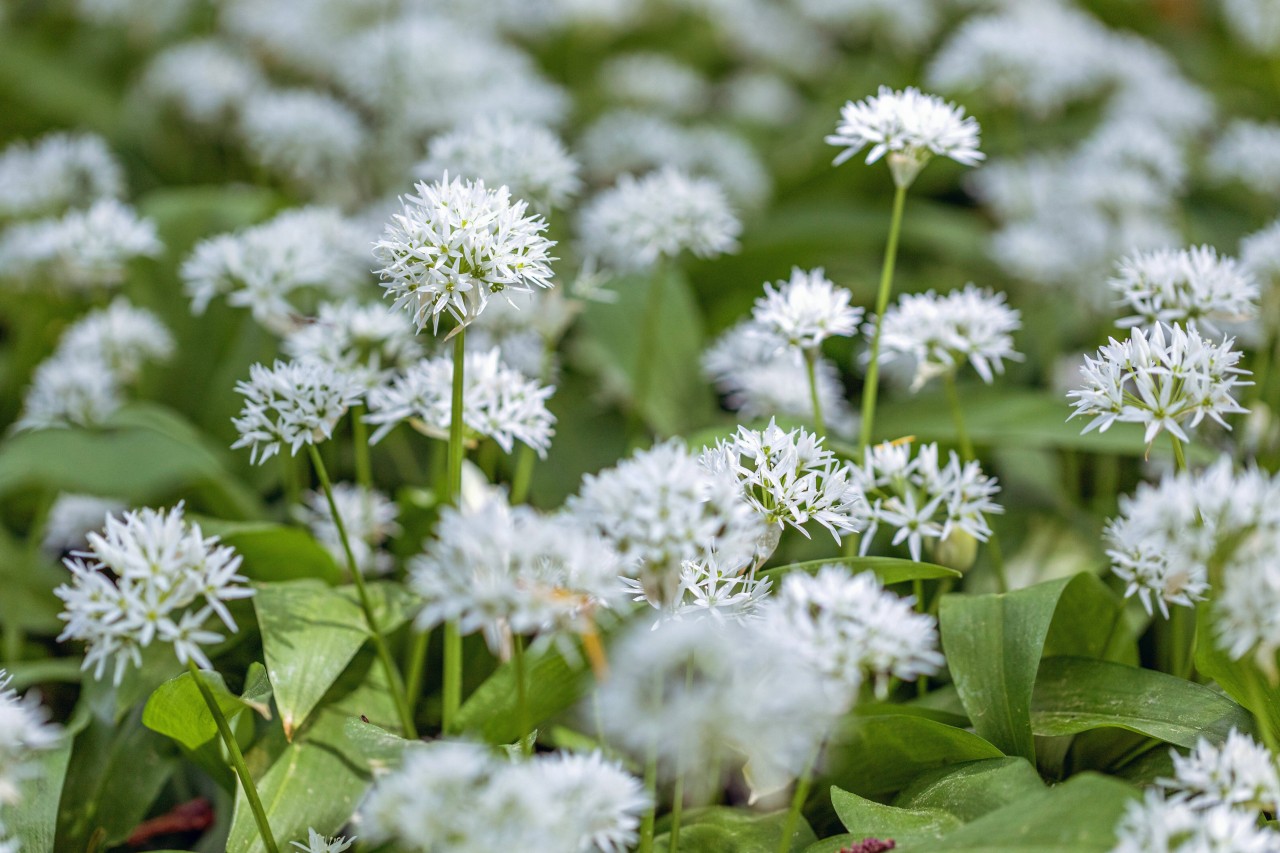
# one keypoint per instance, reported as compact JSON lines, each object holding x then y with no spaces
{"x":457,"y":243}
{"x":715,"y":588}
{"x":291,"y":404}
{"x":1260,"y":257}
{"x":205,"y":82}
{"x":310,"y":138}
{"x":1256,"y":23}
{"x":1194,"y":285}
{"x":806,"y":309}
{"x":150,"y":576}
{"x":460,"y":797}
{"x":55,"y":173}
{"x":366,"y":341}
{"x":643,"y":221}
{"x":1247,"y":154}
{"x":922,"y":500}
{"x":277,"y":268}
{"x":508,"y":571}
{"x":81,"y":249}
{"x":1165,"y":378}
{"x":655,"y":81}
{"x":24,"y":732}
{"x":909,"y":127}
{"x":72,"y":517}
{"x":936,"y":334}
{"x":528,"y":159}
{"x":662,"y":508}
{"x":368,"y":517}
{"x":498,"y":402}
{"x":1240,"y":773}
{"x":1247,"y":608}
{"x":66,"y":393}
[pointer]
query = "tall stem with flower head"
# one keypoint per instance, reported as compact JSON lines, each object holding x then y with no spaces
{"x":645,"y":351}
{"x":452,"y":686}
{"x":882,"y":303}
{"x":811,"y":369}
{"x":797,"y":802}
{"x":360,"y":447}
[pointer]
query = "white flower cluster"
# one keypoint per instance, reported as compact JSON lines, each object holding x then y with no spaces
{"x":922,"y":500}
{"x":205,"y":82}
{"x":1159,"y":825}
{"x":715,"y":588}
{"x":310,"y":138}
{"x":640,"y":222}
{"x":1164,"y":380}
{"x":290,"y":404}
{"x":510,"y":571}
{"x":1256,"y":23}
{"x":461,"y":792}
{"x":655,"y":81}
{"x":366,"y":341}
{"x":939,"y":333}
{"x":73,"y":392}
{"x":1247,"y":608}
{"x":24,"y":731}
{"x":55,"y":173}
{"x":906,"y":23}
{"x":1240,"y":773}
{"x":368,"y":517}
{"x":1260,"y":256}
{"x":149,"y":576}
{"x":908,"y":126}
{"x":457,"y":243}
{"x":497,"y":402}
{"x":806,"y":309}
{"x":1247,"y":153}
{"x":80,"y":249}
{"x":1190,"y":285}
{"x":72,"y":517}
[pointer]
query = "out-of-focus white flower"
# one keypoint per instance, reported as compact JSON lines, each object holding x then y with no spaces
{"x":309,"y":137}
{"x":82,"y":249}
{"x":1165,"y":380}
{"x":597,"y":799}
{"x":140,"y":17}
{"x":205,"y":81}
{"x":762,"y":98}
{"x":922,"y":500}
{"x":290,"y":404}
{"x":1157,"y":825}
{"x":123,"y":338}
{"x":1260,"y":256}
{"x":71,"y":517}
{"x":661,"y":508}
{"x":906,"y":23}
{"x":528,"y":159}
{"x":1247,"y":153}
{"x":806,"y":310}
{"x":909,"y":127}
{"x":24,"y":731}
{"x":368,"y":517}
{"x":1255,"y":23}
{"x":1191,"y":285}
{"x":455,"y":245}
{"x":769,"y":34}
{"x":655,"y":81}
{"x":317,"y":843}
{"x":497,"y":402}
{"x":69,"y":392}
{"x":939,"y":333}
{"x":56,"y":172}
{"x":1240,"y":773}
{"x":367,"y":341}
{"x":1247,"y":608}
{"x":150,"y":576}
{"x":642,"y":221}
{"x":1150,"y":91}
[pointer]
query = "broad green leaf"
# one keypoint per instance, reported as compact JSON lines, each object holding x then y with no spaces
{"x":890,"y":570}
{"x":1242,"y":679}
{"x":1073,"y":695}
{"x":1088,"y":616}
{"x":178,"y":710}
{"x":871,"y":756}
{"x":972,"y":790}
{"x":274,"y":552}
{"x":33,"y":820}
{"x":28,"y":579}
{"x":554,"y":686}
{"x":868,"y":819}
{"x":719,"y":829}
{"x":993,"y":645}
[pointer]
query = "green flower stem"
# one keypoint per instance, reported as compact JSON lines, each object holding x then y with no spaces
{"x":677,"y":812}
{"x":522,"y":694}
{"x":645,"y":352}
{"x":452,"y":688}
{"x":379,"y":643}
{"x":882,"y":302}
{"x":651,"y":788}
{"x":523,"y":474}
{"x":797,"y":802}
{"x":1179,"y":458}
{"x":1258,"y":699}
{"x":360,"y":444}
{"x":1182,"y":636}
{"x":810,"y":364}
{"x":237,"y":761}
{"x":289,"y":482}
{"x":957,"y":417}
{"x":416,"y":668}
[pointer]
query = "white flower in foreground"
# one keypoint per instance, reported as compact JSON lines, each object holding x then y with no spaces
{"x":150,"y":576}
{"x":599,"y":802}
{"x":847,"y":628}
{"x":24,"y":731}
{"x":640,"y":222}
{"x":368,"y":517}
{"x":290,"y":404}
{"x":1240,"y":773}
{"x":56,"y":172}
{"x":529,"y":159}
{"x":922,"y":500}
{"x":1190,"y":285}
{"x":790,"y":478}
{"x":317,"y":843}
{"x":1157,"y":825}
{"x":72,"y":517}
{"x":82,"y":249}
{"x":1165,"y":380}
{"x":715,"y":588}
{"x":908,"y":126}
{"x":806,"y":310}
{"x":205,"y":81}
{"x":1247,"y":153}
{"x":661,"y":508}
{"x":367,"y":341}
{"x":938,"y":333}
{"x":497,"y":402}
{"x":120,"y":336}
{"x":67,"y":392}
{"x":457,"y":243}
{"x":311,"y":138}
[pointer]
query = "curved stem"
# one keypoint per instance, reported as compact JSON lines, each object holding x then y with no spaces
{"x":394,"y":682}
{"x":811,"y":367}
{"x":237,"y":760}
{"x":452,"y":686}
{"x":882,"y":302}
{"x":523,"y":476}
{"x":416,"y":668}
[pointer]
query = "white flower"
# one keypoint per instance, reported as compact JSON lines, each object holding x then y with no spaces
{"x":71,"y":517}
{"x":367,"y":341}
{"x":149,"y":576}
{"x":57,"y":172}
{"x":24,"y":731}
{"x":317,"y":843}
{"x":790,"y":478}
{"x":847,"y":628}
{"x":1240,"y":773}
{"x":530,"y":160}
{"x":1191,"y":285}
{"x":910,"y":127}
{"x":713,"y":588}
{"x":938,"y":333}
{"x":82,"y":249}
{"x":655,"y":81}
{"x":291,"y":404}
{"x":1247,"y":608}
{"x":70,"y":391}
{"x":1160,"y":384}
{"x":1247,"y":153}
{"x":906,"y":23}
{"x":661,"y":508}
{"x":640,"y":222}
{"x":760,"y":97}
{"x":497,"y":402}
{"x":598,"y":801}
{"x":922,"y":500}
{"x":456,"y":244}
{"x":120,"y":336}
{"x":806,"y":310}
{"x":1256,"y":23}
{"x":205,"y":81}
{"x":309,"y":137}
{"x":1157,"y":825}
{"x":368,"y":517}
{"x":1260,"y":255}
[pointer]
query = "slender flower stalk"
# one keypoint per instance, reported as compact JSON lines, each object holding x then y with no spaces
{"x":360,"y":442}
{"x":957,"y":417}
{"x":645,"y":352}
{"x":522,"y":695}
{"x":811,"y":371}
{"x":797,"y":803}
{"x":452,"y":639}
{"x":882,"y":302}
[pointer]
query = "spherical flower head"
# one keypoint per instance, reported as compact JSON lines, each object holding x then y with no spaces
{"x":1158,"y":825}
{"x":57,"y":172}
{"x":205,"y":81}
{"x":1247,"y":608}
{"x":121,"y":336}
{"x":1240,"y":773}
{"x":1248,"y":154}
{"x":908,"y":126}
{"x":367,"y":341}
{"x":806,"y":310}
{"x":1190,"y":285}
{"x":1166,"y":380}
{"x":939,"y":333}
{"x":497,"y":402}
{"x":149,"y":576}
{"x":24,"y":731}
{"x":640,"y":222}
{"x":456,"y":244}
{"x":66,"y":391}
{"x":82,"y":249}
{"x":368,"y":517}
{"x":310,"y":138}
{"x":290,"y":404}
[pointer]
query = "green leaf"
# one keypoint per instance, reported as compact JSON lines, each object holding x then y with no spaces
{"x":1242,"y":679}
{"x":177,"y":709}
{"x":554,"y":686}
{"x":33,"y":819}
{"x":720,"y":829}
{"x":274,"y":552}
{"x":972,"y":790}
{"x":1074,"y":695}
{"x":1088,"y":616}
{"x":890,"y":570}
{"x":868,"y":819}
